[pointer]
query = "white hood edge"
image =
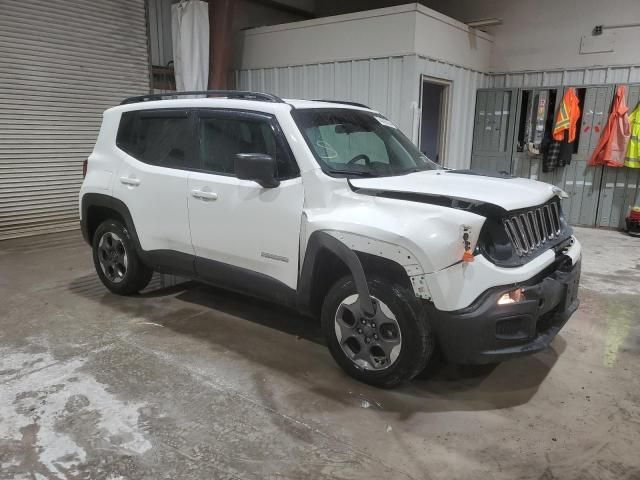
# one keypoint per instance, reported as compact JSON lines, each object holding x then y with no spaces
{"x":508,"y":193}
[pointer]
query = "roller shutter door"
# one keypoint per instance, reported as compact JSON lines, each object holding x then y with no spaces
{"x":62,"y":63}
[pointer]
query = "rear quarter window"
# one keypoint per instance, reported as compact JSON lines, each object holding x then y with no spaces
{"x":125,"y":136}
{"x":163,"y":138}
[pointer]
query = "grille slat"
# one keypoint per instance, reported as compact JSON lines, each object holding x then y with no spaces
{"x":531,"y":229}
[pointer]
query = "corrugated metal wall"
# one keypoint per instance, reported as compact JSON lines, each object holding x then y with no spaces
{"x":390,"y":85}
{"x":62,"y":64}
{"x":574,"y":77}
{"x":599,"y":196}
{"x":463,"y":99}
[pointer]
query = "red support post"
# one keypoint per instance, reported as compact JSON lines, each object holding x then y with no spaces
{"x":220,"y":42}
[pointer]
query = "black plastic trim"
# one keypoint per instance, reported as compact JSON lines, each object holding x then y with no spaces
{"x":322,"y":240}
{"x":471,"y":336}
{"x":343,"y":102}
{"x":557,"y":244}
{"x":459,"y":203}
{"x":106,"y":201}
{"x":169,"y":261}
{"x":233,"y":94}
{"x":241,"y":280}
{"x":482,"y":173}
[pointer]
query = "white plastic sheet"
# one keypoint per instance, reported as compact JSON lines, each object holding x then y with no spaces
{"x":190,"y":34}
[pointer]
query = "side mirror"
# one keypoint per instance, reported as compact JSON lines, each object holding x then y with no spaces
{"x":259,"y":167}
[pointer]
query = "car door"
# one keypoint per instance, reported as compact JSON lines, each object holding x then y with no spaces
{"x":157,"y":150}
{"x":241,"y":231}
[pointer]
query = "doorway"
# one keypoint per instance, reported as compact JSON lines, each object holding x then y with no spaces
{"x":434,"y":108}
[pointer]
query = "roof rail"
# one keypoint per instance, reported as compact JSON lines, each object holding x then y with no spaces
{"x":343,"y":102}
{"x":240,"y":94}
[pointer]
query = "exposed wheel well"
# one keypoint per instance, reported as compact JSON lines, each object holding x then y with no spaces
{"x":96,"y":214}
{"x":329,"y":268}
{"x":374,"y":265}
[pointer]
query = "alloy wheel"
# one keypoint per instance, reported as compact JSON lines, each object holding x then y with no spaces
{"x":112,"y":257}
{"x":372,"y":343}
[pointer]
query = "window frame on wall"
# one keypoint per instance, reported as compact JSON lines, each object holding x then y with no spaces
{"x":444,"y":117}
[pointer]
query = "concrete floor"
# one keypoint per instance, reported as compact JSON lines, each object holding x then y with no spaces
{"x":192,"y":382}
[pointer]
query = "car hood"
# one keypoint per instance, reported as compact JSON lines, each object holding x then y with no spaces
{"x":509,"y":193}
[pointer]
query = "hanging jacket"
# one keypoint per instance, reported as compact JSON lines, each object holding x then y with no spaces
{"x":615,"y":136}
{"x":568,"y":116}
{"x":632,"y":158}
{"x":560,"y":149}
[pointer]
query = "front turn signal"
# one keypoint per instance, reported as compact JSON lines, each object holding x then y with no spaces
{"x":514,"y":296}
{"x":467,"y":256}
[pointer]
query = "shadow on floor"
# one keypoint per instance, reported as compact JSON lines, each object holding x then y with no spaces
{"x":253,"y":330}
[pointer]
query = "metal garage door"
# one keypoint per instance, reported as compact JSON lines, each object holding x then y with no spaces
{"x":61,"y":65}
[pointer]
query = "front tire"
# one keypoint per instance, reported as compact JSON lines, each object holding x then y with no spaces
{"x":386,"y":350}
{"x":116,"y":260}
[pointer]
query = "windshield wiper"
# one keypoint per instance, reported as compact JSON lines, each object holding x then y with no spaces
{"x":358,"y":173}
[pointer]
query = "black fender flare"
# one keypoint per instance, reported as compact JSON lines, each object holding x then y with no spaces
{"x":105,"y":201}
{"x":318,"y":241}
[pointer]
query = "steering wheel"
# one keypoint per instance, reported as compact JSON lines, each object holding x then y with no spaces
{"x":362,"y":156}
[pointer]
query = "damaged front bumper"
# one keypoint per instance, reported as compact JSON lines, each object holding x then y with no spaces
{"x":490,"y":332}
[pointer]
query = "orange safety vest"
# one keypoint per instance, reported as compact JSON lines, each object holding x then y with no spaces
{"x":615,"y":137}
{"x":567,"y":117}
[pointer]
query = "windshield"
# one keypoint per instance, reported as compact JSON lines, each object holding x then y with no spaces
{"x":356,"y":143}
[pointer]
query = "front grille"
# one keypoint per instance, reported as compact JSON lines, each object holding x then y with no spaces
{"x":531,"y":229}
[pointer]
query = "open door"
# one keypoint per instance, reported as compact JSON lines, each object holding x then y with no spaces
{"x":434,"y":108}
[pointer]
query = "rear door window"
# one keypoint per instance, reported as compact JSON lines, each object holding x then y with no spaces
{"x":159,"y":137}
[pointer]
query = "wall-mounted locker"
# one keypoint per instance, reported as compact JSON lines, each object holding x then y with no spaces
{"x":620,"y":189}
{"x":535,"y":115}
{"x":493,"y":129}
{"x":581,"y":181}
{"x":535,"y":109}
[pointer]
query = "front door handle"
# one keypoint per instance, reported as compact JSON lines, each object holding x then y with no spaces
{"x":204,"y":195}
{"x":134,"y":182}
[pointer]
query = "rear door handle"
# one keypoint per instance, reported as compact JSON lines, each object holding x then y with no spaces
{"x":134,"y":182}
{"x":204,"y":195}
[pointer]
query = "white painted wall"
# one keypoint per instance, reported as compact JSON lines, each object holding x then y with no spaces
{"x":376,"y":57}
{"x":401,"y":30}
{"x":343,"y":37}
{"x":443,"y":38}
{"x":545,"y":34}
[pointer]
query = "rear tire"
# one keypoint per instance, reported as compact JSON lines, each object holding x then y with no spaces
{"x":116,"y":260}
{"x":384,"y":351}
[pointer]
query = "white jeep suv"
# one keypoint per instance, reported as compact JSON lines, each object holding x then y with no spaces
{"x":328,"y":208}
